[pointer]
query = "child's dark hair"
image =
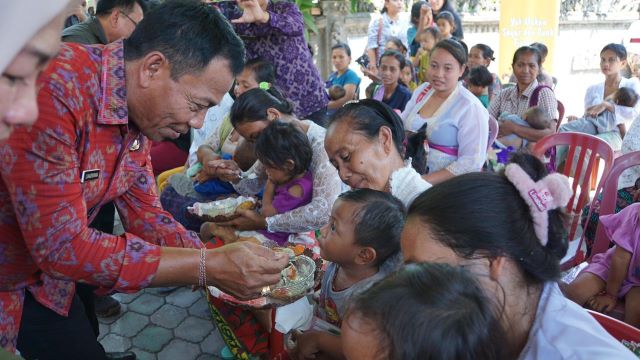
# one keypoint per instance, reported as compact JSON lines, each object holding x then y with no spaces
{"x":625,"y":96}
{"x":480,"y":76}
{"x":416,"y":151}
{"x":433,"y":31}
{"x":448,"y":16}
{"x":368,"y":116}
{"x":398,"y":43}
{"x":487,"y":52}
{"x":378,"y":222}
{"x":618,"y":49}
{"x":431,"y":311}
{"x":415,"y":11}
{"x":527,"y":50}
{"x":252,"y":105}
{"x":495,"y":221}
{"x":281,"y":141}
{"x":396,"y":55}
{"x":544,"y":51}
{"x":342,"y":46}
{"x":262,"y":69}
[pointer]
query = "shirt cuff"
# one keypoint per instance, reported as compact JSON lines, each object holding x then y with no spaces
{"x":139,"y":264}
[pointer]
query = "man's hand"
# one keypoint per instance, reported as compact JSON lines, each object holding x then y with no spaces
{"x":248,"y":220}
{"x":252,"y":13}
{"x":243,"y":269}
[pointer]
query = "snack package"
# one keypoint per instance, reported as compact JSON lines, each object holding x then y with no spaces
{"x":222,"y":210}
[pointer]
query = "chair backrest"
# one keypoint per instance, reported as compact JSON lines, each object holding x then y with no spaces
{"x":610,"y":194}
{"x":493,"y":131}
{"x":581,"y":167}
{"x":616,"y":328}
{"x":560,"y":114}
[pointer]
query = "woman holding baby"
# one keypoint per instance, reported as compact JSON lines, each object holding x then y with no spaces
{"x":527,"y":93}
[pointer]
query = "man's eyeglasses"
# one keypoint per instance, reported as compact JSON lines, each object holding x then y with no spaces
{"x":135,"y":23}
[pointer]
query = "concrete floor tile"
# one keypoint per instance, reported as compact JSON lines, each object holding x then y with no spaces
{"x":103,"y":329}
{"x":127,"y":298}
{"x":143,"y":355}
{"x":130,"y":324}
{"x":153,"y":338}
{"x":201,"y":309}
{"x":146,"y":304}
{"x":213,"y":343}
{"x":169,"y":316}
{"x":115,"y":343}
{"x":183,"y":297}
{"x":194,"y":329}
{"x":180,"y":349}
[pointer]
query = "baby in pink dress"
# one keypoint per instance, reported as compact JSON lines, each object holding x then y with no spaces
{"x":615,"y":274}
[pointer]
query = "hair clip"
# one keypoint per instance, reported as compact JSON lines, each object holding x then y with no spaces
{"x":351,"y":102}
{"x":549,"y":193}
{"x":264,"y":86}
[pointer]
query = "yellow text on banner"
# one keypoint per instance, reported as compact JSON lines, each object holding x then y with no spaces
{"x":523,"y":22}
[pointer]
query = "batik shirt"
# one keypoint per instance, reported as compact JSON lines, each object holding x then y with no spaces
{"x":281,"y":42}
{"x":81,"y":153}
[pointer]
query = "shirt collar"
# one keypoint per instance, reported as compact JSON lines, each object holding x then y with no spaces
{"x":98,"y":30}
{"x":113,"y":107}
{"x":529,"y":90}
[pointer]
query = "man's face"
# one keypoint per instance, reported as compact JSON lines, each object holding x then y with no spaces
{"x":167,"y":107}
{"x":125,"y":22}
{"x":18,"y":105}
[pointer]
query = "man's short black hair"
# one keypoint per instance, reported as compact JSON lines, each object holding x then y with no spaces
{"x":189,"y":34}
{"x":105,"y":7}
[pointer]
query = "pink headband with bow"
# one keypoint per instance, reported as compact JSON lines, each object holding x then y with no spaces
{"x":549,"y":193}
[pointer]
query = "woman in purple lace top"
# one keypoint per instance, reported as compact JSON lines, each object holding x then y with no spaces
{"x":274,"y":31}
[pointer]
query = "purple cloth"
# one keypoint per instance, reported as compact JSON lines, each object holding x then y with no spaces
{"x":283,"y":201}
{"x":623,"y":229}
{"x":281,"y":41}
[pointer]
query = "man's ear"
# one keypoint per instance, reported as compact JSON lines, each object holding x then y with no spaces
{"x":152,"y":67}
{"x":366,"y":255}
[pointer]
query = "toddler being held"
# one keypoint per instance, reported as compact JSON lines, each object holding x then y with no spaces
{"x":285,"y":152}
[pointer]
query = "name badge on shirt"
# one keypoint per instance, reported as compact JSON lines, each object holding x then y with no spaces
{"x":89,"y":175}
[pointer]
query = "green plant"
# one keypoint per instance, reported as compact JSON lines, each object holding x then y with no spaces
{"x":305,"y":7}
{"x":362,"y":6}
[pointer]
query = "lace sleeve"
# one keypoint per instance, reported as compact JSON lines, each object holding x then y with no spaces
{"x":326,"y":188}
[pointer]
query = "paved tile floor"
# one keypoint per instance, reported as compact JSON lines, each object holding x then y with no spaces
{"x":158,"y":324}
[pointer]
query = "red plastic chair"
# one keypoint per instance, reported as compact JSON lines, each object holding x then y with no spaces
{"x":586,"y":169}
{"x":560,"y":114}
{"x":609,"y":196}
{"x":617,"y":329}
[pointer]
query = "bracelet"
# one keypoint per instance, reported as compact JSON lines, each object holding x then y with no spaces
{"x":202,"y":276}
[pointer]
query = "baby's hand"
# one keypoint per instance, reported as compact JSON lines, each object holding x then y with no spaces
{"x":572,"y":117}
